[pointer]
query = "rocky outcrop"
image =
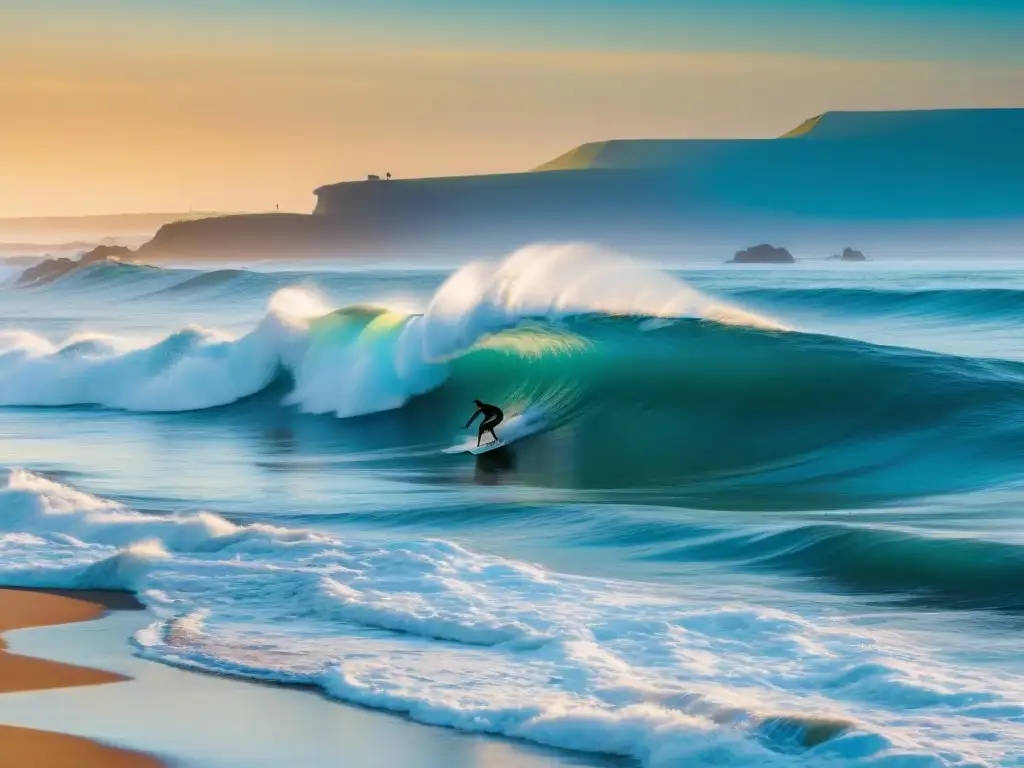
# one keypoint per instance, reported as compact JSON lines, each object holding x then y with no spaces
{"x":49,"y":270}
{"x":763,"y":254}
{"x":107,"y":253}
{"x":848,"y":254}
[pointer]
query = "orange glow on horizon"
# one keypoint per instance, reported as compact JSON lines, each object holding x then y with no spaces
{"x":159,"y":124}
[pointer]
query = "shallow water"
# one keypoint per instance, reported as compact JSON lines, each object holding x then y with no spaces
{"x":237,"y":724}
{"x":773,"y":520}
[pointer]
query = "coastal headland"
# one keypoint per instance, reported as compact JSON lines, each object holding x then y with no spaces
{"x":959,"y":165}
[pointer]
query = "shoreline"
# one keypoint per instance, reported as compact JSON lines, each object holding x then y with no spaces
{"x":201,"y":719}
{"x":31,"y":608}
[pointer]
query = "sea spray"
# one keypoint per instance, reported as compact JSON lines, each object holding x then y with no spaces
{"x":352,"y":361}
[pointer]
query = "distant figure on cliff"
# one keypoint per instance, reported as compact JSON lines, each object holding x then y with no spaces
{"x":389,"y":175}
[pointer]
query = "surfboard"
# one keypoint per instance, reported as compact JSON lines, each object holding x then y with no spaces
{"x":514,"y":429}
{"x":476,"y":451}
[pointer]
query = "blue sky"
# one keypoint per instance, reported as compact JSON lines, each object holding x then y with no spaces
{"x":871,"y":29}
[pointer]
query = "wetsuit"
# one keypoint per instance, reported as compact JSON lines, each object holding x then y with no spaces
{"x":492,"y":417}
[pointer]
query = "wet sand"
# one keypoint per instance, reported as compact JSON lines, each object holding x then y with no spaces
{"x":197,"y":719}
{"x":22,"y":609}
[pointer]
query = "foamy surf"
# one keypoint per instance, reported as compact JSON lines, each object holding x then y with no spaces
{"x":648,"y":379}
{"x":193,"y":369}
{"x":348,"y":362}
{"x":453,"y":637}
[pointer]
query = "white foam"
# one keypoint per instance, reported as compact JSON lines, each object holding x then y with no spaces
{"x":350,"y":368}
{"x":482,"y":643}
{"x":396,"y":358}
{"x":192,"y":369}
{"x":555,"y":281}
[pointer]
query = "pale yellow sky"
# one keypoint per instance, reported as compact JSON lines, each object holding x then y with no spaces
{"x":134,"y":124}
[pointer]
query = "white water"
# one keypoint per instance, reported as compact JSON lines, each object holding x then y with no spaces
{"x":484,"y":643}
{"x":189,"y":370}
{"x":352,"y":369}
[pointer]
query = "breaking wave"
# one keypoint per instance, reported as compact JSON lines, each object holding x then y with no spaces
{"x":482,"y":643}
{"x":654,"y":383}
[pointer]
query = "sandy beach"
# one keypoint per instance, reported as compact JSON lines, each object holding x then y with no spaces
{"x":23,"y":609}
{"x":210,"y":721}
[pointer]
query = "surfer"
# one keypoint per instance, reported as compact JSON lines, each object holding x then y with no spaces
{"x":492,"y":417}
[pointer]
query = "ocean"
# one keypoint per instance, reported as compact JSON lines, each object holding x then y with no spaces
{"x":770,"y":515}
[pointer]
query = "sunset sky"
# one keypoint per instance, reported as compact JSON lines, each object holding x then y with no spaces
{"x":137,"y":105}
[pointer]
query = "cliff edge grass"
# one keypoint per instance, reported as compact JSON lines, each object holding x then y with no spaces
{"x":910,"y":128}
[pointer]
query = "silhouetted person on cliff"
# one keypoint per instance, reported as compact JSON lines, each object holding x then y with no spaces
{"x":492,"y":418}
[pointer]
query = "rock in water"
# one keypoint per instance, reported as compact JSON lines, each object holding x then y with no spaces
{"x":763,"y":254}
{"x":848,"y":254}
{"x":107,"y":253}
{"x":50,"y":269}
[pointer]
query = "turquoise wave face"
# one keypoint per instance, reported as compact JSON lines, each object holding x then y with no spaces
{"x":972,"y":304}
{"x":729,"y":416}
{"x":697,"y":412}
{"x":684,"y":410}
{"x":922,"y":570}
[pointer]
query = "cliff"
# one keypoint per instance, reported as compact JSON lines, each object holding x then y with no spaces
{"x":254,"y":235}
{"x":840,"y":167}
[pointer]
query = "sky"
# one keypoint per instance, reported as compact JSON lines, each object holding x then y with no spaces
{"x":113,"y":106}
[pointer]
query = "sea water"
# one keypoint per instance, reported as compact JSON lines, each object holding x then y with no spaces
{"x":773,"y":519}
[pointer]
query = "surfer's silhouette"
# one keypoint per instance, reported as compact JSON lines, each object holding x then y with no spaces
{"x":492,"y":417}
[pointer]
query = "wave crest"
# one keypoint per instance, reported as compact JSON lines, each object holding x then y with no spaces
{"x":349,"y":362}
